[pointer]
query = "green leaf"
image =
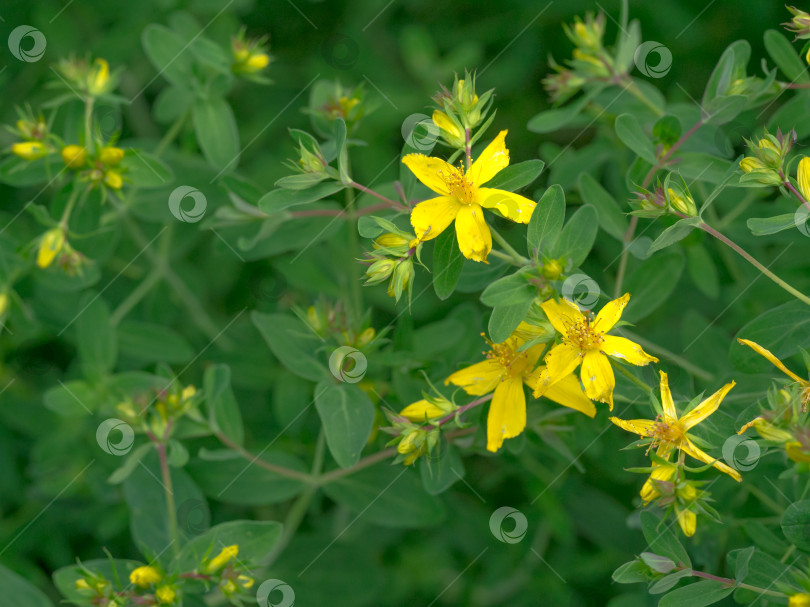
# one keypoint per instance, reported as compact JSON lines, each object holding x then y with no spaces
{"x":223,"y":410}
{"x":256,"y":539}
{"x":674,"y":233}
{"x":724,"y":109}
{"x":651,"y":284}
{"x":796,"y":524}
{"x":763,"y":569}
{"x":20,"y":592}
{"x":516,"y":176}
{"x":657,"y":563}
{"x":662,"y":539}
{"x":153,"y":343}
{"x":741,"y":566}
{"x":546,"y":221}
{"x":667,"y":130}
{"x":73,"y":398}
{"x":227,"y":477}
{"x":293,"y":343}
{"x":508,"y":291}
{"x":217,"y":133}
{"x":442,"y":469}
{"x":765,"y":226}
{"x":577,"y":237}
{"x":347,"y":415}
{"x":279,"y":200}
{"x":169,"y":53}
{"x":553,"y":120}
{"x":131,"y":462}
{"x":147,"y":170}
{"x":20,"y":173}
{"x":95,"y":338}
{"x":387,"y":496}
{"x":116,"y":570}
{"x":782,"y":330}
{"x":609,"y":213}
{"x":669,"y":581}
{"x":703,"y":270}
{"x":631,"y":573}
{"x":505,"y":319}
{"x":630,"y":133}
{"x":699,"y":594}
{"x":785,"y":57}
{"x":734,"y":57}
{"x":700,"y":166}
{"x":447,"y":264}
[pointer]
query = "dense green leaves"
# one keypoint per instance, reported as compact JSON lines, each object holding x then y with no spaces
{"x":447,"y":264}
{"x":796,"y":524}
{"x":547,"y":221}
{"x":217,"y":134}
{"x":347,"y":416}
{"x":223,"y":411}
{"x":611,"y":218}
{"x":577,"y":237}
{"x":256,"y":539}
{"x":293,"y":343}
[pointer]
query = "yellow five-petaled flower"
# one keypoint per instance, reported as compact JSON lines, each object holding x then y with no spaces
{"x":585,"y":340}
{"x":463,"y":199}
{"x":504,"y":371}
{"x":669,"y":432}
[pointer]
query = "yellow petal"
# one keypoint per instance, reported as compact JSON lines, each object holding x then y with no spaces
{"x":568,"y":393}
{"x":706,"y":408}
{"x":610,"y":314}
{"x":597,"y":377}
{"x":494,"y":158}
{"x":433,"y":172}
{"x":443,"y":121}
{"x":642,"y":427}
{"x":52,"y":243}
{"x":478,"y":379}
{"x":421,"y":410}
{"x":512,"y":206}
{"x":687,"y":520}
{"x":803,"y":177}
{"x":507,"y":413}
{"x":430,"y":217}
{"x":670,"y":413}
{"x":795,"y":451}
{"x":621,"y":347}
{"x":562,"y":314}
{"x":690,"y":449}
{"x":774,"y":361}
{"x":561,"y":361}
{"x":472,"y":231}
{"x":659,"y":473}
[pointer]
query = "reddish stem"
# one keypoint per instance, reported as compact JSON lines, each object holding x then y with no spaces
{"x":464,"y":408}
{"x":391,"y":203}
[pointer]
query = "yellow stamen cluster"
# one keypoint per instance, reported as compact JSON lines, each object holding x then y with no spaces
{"x":664,"y":432}
{"x":584,"y":335}
{"x":461,"y":188}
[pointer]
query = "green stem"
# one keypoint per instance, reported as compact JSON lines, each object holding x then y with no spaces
{"x":745,"y":255}
{"x":467,"y":148}
{"x":392,"y":203}
{"x":355,"y":288}
{"x":516,"y":257}
{"x":170,"y":135}
{"x":633,"y":89}
{"x":632,"y":378}
{"x":135,"y":296}
{"x":730,"y":582}
{"x":280,"y":470}
{"x":165,"y":473}
{"x":71,"y":203}
{"x":678,"y":360}
{"x":88,"y":125}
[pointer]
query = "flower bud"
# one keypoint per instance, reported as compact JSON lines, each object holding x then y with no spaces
{"x":29,"y":150}
{"x":380,"y":270}
{"x":687,"y":521}
{"x":50,"y":245}
{"x":365,"y":337}
{"x":144,"y":576}
{"x":799,"y":24}
{"x":219,"y":561}
{"x":799,"y":600}
{"x":113,"y":179}
{"x":425,"y":409}
{"x":401,"y":279}
{"x":165,"y":595}
{"x":803,"y":177}
{"x":74,"y":156}
{"x":111,"y":155}
{"x":681,"y":202}
{"x":98,"y":78}
{"x":552,"y":269}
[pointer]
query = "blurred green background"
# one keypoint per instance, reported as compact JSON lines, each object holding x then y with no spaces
{"x":401,"y":51}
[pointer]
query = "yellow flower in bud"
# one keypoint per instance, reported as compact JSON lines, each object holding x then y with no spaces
{"x":188,"y":392}
{"x":588,"y":58}
{"x":219,"y":561}
{"x":241,"y":55}
{"x":682,"y":203}
{"x":406,"y":444}
{"x":111,"y":155}
{"x":767,"y":144}
{"x":465,"y":93}
{"x":767,"y":430}
{"x":257,"y":62}
{"x":660,"y":473}
{"x":74,"y":156}
{"x":444,"y":122}
{"x":81,"y":584}
{"x":52,"y":242}
{"x":803,"y":383}
{"x":799,"y":600}
{"x":165,"y":595}
{"x":144,"y":576}
{"x":365,"y":337}
{"x":245,"y":581}
{"x":749,"y":163}
{"x":390,"y":240}
{"x":803,"y":177}
{"x":113,"y":180}
{"x":29,"y":150}
{"x":411,"y":458}
{"x":687,"y":520}
{"x":229,"y":588}
{"x":688,"y":492}
{"x":795,"y":451}
{"x":423,"y":410}
{"x":552,"y":269}
{"x":99,"y":77}
{"x":3,"y":303}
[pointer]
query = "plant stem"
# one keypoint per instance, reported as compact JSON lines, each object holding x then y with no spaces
{"x":796,"y":193}
{"x":165,"y":473}
{"x":467,"y":148}
{"x":255,"y":459}
{"x":463,"y":408}
{"x":633,"y":378}
{"x":730,"y":582}
{"x":745,"y":255}
{"x":134,"y":297}
{"x":391,"y":203}
{"x":516,"y":257}
{"x":633,"y":89}
{"x":170,"y":135}
{"x":71,"y":203}
{"x":88,"y":125}
{"x":678,"y":360}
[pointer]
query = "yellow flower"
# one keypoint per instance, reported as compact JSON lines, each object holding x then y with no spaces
{"x":504,"y":372}
{"x":165,"y":595}
{"x":805,"y":385}
{"x":98,"y":78}
{"x":422,"y":410}
{"x":144,"y":576}
{"x":803,"y":176}
{"x":113,"y":180}
{"x":799,"y":600}
{"x":444,"y":122}
{"x":687,"y":520}
{"x":670,"y":432}
{"x":52,"y":242}
{"x":74,"y":156}
{"x":29,"y":150}
{"x":585,"y":341}
{"x":462,"y":198}
{"x":257,"y":62}
{"x":111,"y":155}
{"x":219,"y":561}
